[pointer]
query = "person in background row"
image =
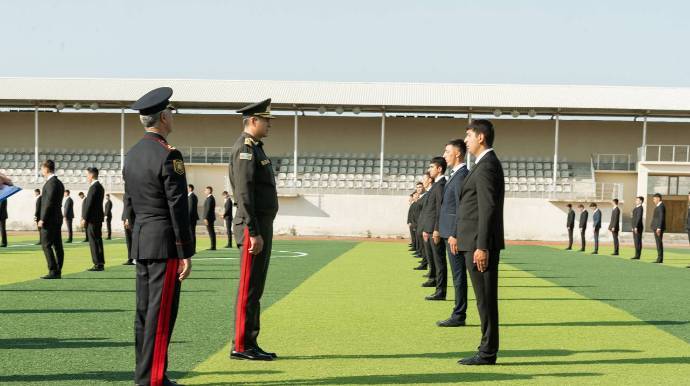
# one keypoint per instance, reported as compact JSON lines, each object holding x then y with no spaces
{"x":570,"y":225}
{"x":82,"y":196}
{"x":596,"y":224}
{"x":108,"y":212}
{"x":193,"y":203}
{"x":423,"y":197}
{"x":583,"y":225}
{"x":416,"y":209}
{"x":37,"y":213}
{"x":614,"y":225}
{"x":659,"y":226}
{"x":227,"y":217}
{"x":68,"y":214}
{"x":436,"y":250}
{"x":92,"y":218}
{"x":128,"y":219}
{"x":410,"y":208}
{"x":50,"y":220}
{"x":210,"y":216}
{"x":637,"y":226}
{"x":687,"y":221}
{"x":3,"y":223}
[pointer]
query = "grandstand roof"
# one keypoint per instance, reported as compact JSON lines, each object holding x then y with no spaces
{"x":368,"y":97}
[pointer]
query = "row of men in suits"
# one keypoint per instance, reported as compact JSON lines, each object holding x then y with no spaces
{"x":209,"y":215}
{"x":458,"y":219}
{"x":658,"y":225}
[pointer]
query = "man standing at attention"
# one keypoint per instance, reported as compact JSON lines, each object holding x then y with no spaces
{"x":210,"y":216}
{"x":480,"y":234}
{"x":193,"y":211}
{"x":614,"y":225}
{"x":227,"y":217}
{"x":92,"y":218}
{"x":596,"y":224}
{"x":108,"y":211}
{"x":637,"y":226}
{"x":68,"y":207}
{"x":570,"y":225}
{"x":254,"y":187}
{"x":583,"y":225}
{"x":50,"y":220}
{"x":659,"y":226}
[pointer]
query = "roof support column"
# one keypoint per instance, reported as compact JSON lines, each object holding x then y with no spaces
{"x":122,"y":139}
{"x":36,"y":171}
{"x":383,"y":142}
{"x":294,"y":150}
{"x":644,"y":138}
{"x":555,"y":152}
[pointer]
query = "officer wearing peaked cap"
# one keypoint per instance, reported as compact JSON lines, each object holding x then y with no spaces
{"x":254,"y":188}
{"x":156,"y":192}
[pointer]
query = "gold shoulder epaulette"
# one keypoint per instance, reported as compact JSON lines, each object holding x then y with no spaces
{"x":249,"y":141}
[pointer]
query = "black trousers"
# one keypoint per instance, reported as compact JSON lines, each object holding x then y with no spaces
{"x":689,"y":235}
{"x":429,"y":255}
{"x":485,"y":286}
{"x":193,"y":229}
{"x":570,"y":238}
{"x":413,"y":237}
{"x":228,"y":231}
{"x":596,"y":239}
{"x":128,"y":240}
{"x":440,"y":265}
{"x":616,"y":242}
{"x":158,"y":298}
{"x":51,"y":242}
{"x":68,"y":224}
{"x":108,"y":223}
{"x":637,"y":239}
{"x":93,"y":232}
{"x":420,"y":246}
{"x":659,"y":246}
{"x":253,"y":272}
{"x":212,"y":234}
{"x":582,"y":237}
{"x":3,"y":233}
{"x":458,"y":269}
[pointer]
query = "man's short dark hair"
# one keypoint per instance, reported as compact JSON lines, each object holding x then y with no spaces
{"x":225,"y":193}
{"x":657,"y":195}
{"x":569,"y":205}
{"x":49,"y":164}
{"x":615,"y":201}
{"x":592,"y":205}
{"x":460,"y":145}
{"x":640,"y":198}
{"x":210,"y":188}
{"x":67,"y":191}
{"x":581,"y":206}
{"x":107,"y":195}
{"x":80,"y":194}
{"x":191,"y":187}
{"x":37,"y":191}
{"x":483,"y":126}
{"x":439,"y":162}
{"x":419,"y":183}
{"x":93,"y":171}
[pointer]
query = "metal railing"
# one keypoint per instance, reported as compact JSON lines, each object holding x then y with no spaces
{"x":623,"y":162}
{"x":205,"y":155}
{"x":664,"y":153}
{"x":601,"y":191}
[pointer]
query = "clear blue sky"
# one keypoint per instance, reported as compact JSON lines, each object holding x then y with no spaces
{"x":575,"y":42}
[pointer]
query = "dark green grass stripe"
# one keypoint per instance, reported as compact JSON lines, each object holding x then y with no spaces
{"x":79,"y":330}
{"x":656,"y":294}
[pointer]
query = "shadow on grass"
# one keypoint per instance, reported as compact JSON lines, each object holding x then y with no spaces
{"x":459,"y":354}
{"x":58,"y":343}
{"x":604,"y":323}
{"x":61,"y":311}
{"x":111,"y":376}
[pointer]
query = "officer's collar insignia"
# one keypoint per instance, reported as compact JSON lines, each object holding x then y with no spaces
{"x":250,"y":142}
{"x":178,"y":166}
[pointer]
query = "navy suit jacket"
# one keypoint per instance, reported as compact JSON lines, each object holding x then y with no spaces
{"x":448,"y":218}
{"x":596,"y":219}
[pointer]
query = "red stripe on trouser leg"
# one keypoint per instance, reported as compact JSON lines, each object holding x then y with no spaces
{"x":243,"y":289}
{"x":160,"y":347}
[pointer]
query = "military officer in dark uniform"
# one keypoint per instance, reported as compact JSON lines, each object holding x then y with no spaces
{"x":227,"y":217}
{"x":155,"y":183}
{"x":128,"y":223}
{"x":254,"y":187}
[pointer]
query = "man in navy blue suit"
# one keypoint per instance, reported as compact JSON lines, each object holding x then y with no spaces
{"x":454,"y":155}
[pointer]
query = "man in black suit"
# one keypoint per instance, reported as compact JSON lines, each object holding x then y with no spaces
{"x":480,"y":233}
{"x":37,"y":213}
{"x":415,"y":209}
{"x":454,"y":155}
{"x":426,"y":185}
{"x":410,"y":209}
{"x":596,"y":224}
{"x":86,"y":235}
{"x":659,"y":226}
{"x":68,"y":213}
{"x":193,"y":203}
{"x":209,"y":216}
{"x":128,"y":219}
{"x":436,"y":250}
{"x":570,"y":225}
{"x":584,"y":216}
{"x":687,"y":221}
{"x":92,"y":218}
{"x":108,"y":212}
{"x":614,"y":225}
{"x":227,"y":217}
{"x":50,"y":220}
{"x":638,"y":226}
{"x":3,"y":223}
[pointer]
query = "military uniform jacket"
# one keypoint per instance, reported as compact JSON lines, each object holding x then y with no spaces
{"x":253,"y":183}
{"x":69,"y":208}
{"x":614,"y":225}
{"x":91,"y":210}
{"x":51,"y":203}
{"x":156,"y":190}
{"x":637,"y":222}
{"x":570,"y":223}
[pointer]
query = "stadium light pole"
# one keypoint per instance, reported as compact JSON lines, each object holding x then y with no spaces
{"x":294,"y":154}
{"x":36,"y":142}
{"x":122,"y":140}
{"x":555,"y":152}
{"x":383,"y":142}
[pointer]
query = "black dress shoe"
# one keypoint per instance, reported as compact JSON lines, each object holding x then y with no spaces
{"x":228,"y":246}
{"x":96,"y":268}
{"x":68,"y":242}
{"x":426,"y":275}
{"x":419,"y":268}
{"x":3,"y":246}
{"x":476,"y":360}
{"x":634,"y":258}
{"x":450,"y":322}
{"x":568,"y":249}
{"x":429,"y":283}
{"x":435,"y":297}
{"x":614,"y":254}
{"x":211,"y":249}
{"x":270,"y":354}
{"x":595,"y":253}
{"x":128,"y":262}
{"x":581,"y":250}
{"x":51,"y":276}
{"x":658,"y":261}
{"x":251,"y":354}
